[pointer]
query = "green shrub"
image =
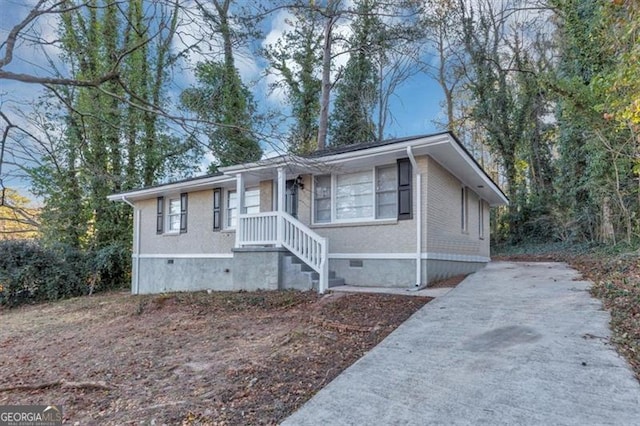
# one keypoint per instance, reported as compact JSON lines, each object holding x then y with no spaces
{"x":111,"y":266}
{"x":28,"y":273}
{"x":31,"y":273}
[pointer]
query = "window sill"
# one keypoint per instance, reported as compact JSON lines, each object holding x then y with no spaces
{"x":355,"y":224}
{"x":171,"y":234}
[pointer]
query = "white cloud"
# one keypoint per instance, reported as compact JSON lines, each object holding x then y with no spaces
{"x":194,"y":34}
{"x":31,"y":54}
{"x":343,"y":30}
{"x":247,"y":66}
{"x":282,"y":22}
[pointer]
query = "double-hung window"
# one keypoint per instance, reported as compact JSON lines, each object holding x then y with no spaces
{"x":251,"y":204}
{"x":354,"y":196}
{"x":364,"y":195}
{"x":322,"y":199}
{"x":386,"y":192}
{"x":232,"y":209}
{"x":174,"y":213}
{"x":252,"y":200}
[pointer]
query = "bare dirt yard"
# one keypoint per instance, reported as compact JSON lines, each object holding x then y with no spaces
{"x":188,"y":358}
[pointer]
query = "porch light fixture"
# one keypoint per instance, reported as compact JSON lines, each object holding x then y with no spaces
{"x":300,"y":182}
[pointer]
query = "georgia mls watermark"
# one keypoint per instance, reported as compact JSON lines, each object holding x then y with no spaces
{"x":30,"y":415}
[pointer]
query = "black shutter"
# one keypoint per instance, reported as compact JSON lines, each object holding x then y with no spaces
{"x":404,"y":189}
{"x":160,"y":215}
{"x":217,"y":211}
{"x":183,"y":212}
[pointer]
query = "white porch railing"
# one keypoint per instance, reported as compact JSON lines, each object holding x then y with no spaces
{"x":283,"y":230}
{"x":258,"y":229}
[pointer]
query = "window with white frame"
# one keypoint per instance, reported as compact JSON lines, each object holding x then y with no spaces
{"x":232,"y":209}
{"x":174,"y":215}
{"x":252,"y":200}
{"x":364,"y":195}
{"x":354,"y":196}
{"x":386,"y":192}
{"x":251,"y":204}
{"x":322,"y":199}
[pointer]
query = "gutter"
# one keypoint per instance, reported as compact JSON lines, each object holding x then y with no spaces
{"x":418,"y":284}
{"x":192,"y":184}
{"x":339,"y":157}
{"x":124,"y":200}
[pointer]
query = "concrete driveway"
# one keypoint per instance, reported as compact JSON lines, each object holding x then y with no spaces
{"x":513,"y":344}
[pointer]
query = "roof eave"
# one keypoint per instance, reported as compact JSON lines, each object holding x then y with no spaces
{"x":308,"y":164}
{"x":267,"y":163}
{"x":193,"y":184}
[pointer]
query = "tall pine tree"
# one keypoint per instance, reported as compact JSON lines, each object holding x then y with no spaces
{"x":221,"y":99}
{"x":296,"y":60}
{"x":112,"y":138}
{"x":357,"y":90}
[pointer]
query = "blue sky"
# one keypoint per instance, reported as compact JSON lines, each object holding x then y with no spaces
{"x":415,"y":105}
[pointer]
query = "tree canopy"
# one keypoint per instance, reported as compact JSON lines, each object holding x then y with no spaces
{"x":135,"y":93}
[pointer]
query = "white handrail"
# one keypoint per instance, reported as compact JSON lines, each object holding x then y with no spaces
{"x":257,"y":229}
{"x":283,"y":230}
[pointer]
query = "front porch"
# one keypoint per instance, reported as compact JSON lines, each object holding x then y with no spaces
{"x":276,"y":268}
{"x":280,"y":240}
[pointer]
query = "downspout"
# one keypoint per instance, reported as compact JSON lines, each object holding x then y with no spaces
{"x":414,"y":164}
{"x":136,"y":245}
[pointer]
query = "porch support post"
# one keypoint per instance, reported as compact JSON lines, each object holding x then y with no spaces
{"x":323,"y":282}
{"x":282,"y":188}
{"x":240,"y":210}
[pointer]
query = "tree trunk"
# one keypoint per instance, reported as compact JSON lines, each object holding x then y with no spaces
{"x":511,"y":175}
{"x":326,"y":84}
{"x":607,"y":232}
{"x":442,"y":79}
{"x":381,"y":103}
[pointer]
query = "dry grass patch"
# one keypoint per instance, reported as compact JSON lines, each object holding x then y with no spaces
{"x":188,"y":358}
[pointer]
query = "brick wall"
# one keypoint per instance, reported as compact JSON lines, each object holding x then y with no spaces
{"x":444,"y":225}
{"x":267,"y":193}
{"x":199,"y":238}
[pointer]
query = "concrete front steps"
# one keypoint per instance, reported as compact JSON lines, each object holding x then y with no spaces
{"x":300,"y":276}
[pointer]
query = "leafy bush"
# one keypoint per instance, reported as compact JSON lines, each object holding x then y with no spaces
{"x":30,"y":272}
{"x":111,"y":266}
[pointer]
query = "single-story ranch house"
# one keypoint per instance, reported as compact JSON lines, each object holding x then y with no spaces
{"x":396,"y":213}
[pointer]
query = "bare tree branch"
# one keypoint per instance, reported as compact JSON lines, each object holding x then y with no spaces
{"x":29,"y":78}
